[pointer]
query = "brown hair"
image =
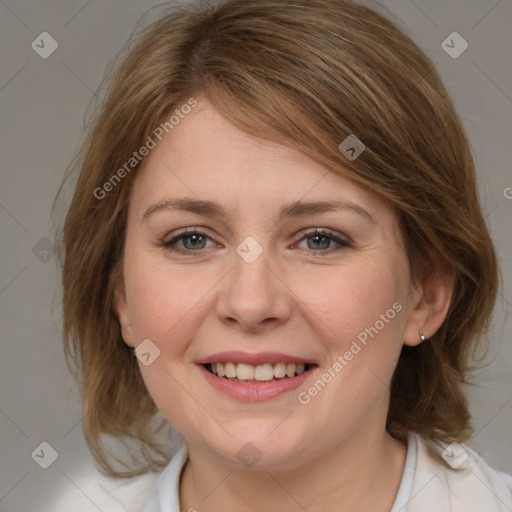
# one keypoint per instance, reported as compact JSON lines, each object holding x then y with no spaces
{"x":306,"y":74}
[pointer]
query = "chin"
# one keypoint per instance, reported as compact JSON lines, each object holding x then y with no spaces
{"x":268,"y":446}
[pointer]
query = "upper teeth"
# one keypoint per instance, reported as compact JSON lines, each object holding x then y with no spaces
{"x":262,"y":372}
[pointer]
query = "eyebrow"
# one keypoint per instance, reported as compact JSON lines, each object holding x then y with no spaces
{"x":295,"y":209}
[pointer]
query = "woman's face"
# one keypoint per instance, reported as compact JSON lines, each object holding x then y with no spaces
{"x":261,"y":293}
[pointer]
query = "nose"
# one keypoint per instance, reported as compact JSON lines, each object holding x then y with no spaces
{"x":255,"y":296}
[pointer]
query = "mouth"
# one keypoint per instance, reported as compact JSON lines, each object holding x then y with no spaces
{"x":254,"y":377}
{"x":261,"y":373}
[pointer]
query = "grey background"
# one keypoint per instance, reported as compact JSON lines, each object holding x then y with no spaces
{"x":42,"y":106}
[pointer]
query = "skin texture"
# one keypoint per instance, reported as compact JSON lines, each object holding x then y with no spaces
{"x":303,"y":296}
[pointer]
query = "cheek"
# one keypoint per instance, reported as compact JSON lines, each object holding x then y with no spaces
{"x":161,"y":297}
{"x":361,"y":315}
{"x":360,"y":318}
{"x":164,"y":303}
{"x":354,"y":301}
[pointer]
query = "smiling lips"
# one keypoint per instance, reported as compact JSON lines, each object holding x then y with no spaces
{"x":266,"y":372}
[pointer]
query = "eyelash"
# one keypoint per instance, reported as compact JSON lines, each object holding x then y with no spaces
{"x":342,"y":244}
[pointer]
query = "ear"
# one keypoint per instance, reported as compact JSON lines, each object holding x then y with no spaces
{"x":431,"y":302}
{"x":122,"y":312}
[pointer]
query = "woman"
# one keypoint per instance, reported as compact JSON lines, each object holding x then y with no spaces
{"x":276,"y":242}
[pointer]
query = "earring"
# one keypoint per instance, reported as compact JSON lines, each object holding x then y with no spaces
{"x":423,"y":337}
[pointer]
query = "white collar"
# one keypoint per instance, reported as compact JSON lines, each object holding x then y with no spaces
{"x":475,"y":488}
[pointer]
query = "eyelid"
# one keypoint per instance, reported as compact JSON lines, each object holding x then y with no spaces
{"x":184,"y":232}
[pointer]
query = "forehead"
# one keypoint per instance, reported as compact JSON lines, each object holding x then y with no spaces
{"x":208,"y":157}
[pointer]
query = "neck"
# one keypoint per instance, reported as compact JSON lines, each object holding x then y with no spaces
{"x":361,"y":473}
